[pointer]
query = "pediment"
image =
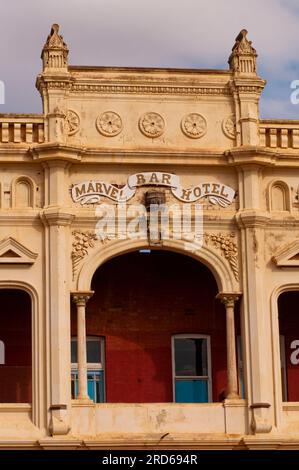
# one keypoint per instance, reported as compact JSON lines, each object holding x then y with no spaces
{"x":288,"y":255}
{"x":13,"y":252}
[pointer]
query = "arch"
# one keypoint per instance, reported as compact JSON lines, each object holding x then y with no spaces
{"x":223,"y":275}
{"x":276,"y":346}
{"x":35,"y":345}
{"x":279,"y":196}
{"x":23,"y":192}
{"x":161,"y":294}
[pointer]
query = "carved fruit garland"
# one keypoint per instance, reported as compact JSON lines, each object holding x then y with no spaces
{"x":81,"y":244}
{"x":228,"y":248}
{"x":85,"y":240}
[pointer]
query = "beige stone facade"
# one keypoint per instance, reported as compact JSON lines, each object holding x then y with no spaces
{"x":105,"y":124}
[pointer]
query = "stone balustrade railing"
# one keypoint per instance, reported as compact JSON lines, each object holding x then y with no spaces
{"x":279,"y":134}
{"x":21,"y":128}
{"x":29,"y":128}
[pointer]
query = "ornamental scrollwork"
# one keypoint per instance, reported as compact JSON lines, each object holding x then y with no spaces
{"x":80,"y":246}
{"x":228,"y":247}
{"x":82,"y":242}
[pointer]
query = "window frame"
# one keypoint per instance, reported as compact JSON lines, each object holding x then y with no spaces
{"x":93,"y":366}
{"x":283,"y":368}
{"x":209,"y":363}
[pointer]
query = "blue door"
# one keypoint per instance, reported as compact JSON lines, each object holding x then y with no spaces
{"x":191,"y":369}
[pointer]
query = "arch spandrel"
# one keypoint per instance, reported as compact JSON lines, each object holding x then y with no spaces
{"x":218,"y":265}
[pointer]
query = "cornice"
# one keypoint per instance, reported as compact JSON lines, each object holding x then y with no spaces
{"x":9,"y":217}
{"x":236,"y":156}
{"x":249,"y":85}
{"x":248,"y":155}
{"x":56,"y":151}
{"x":250,"y":218}
{"x":58,"y":79}
{"x":101,"y":156}
{"x":54,"y":215}
{"x":151,"y":89}
{"x":176,"y":441}
{"x":146,"y":70}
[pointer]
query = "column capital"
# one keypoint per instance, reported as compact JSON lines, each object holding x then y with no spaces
{"x":228,"y":298}
{"x":80,"y":298}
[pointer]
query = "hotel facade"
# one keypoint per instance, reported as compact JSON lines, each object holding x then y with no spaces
{"x":114,"y":335}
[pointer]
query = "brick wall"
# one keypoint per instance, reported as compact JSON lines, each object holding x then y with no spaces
{"x":140,"y":301}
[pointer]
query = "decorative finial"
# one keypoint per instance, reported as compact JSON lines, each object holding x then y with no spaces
{"x":55,"y":51}
{"x":243,"y":57}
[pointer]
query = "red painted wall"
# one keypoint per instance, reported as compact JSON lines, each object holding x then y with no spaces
{"x":140,"y":301}
{"x":289,"y":327}
{"x":15,"y":332}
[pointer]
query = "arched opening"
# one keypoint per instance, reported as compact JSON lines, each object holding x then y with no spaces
{"x":289,"y":344}
{"x":15,"y":335}
{"x":23,"y":193}
{"x":161,"y":330}
{"x":279,"y":197}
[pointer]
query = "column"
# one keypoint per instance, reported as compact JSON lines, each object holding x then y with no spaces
{"x":80,"y":299}
{"x":57,"y":269}
{"x":232,"y":375}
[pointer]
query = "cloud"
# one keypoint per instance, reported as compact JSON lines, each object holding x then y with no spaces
{"x":165,"y":33}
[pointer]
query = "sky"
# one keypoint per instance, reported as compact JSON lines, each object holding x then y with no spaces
{"x":150,"y":33}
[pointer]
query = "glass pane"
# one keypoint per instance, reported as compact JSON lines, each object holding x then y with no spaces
{"x":191,"y":391}
{"x":191,"y":356}
{"x":94,"y":350}
{"x":74,"y":351}
{"x":74,"y":383}
{"x":91,"y":386}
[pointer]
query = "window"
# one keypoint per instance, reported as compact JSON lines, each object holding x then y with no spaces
{"x":191,"y":368}
{"x":95,"y":350}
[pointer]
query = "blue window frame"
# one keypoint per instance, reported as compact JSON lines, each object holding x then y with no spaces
{"x":95,"y":349}
{"x":95,"y":385}
{"x":191,"y":368}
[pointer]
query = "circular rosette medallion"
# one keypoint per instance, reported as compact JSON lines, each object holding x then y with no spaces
{"x":151,"y":124}
{"x":229,"y":126}
{"x":109,"y":123}
{"x":194,"y":125}
{"x":72,"y":122}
